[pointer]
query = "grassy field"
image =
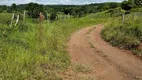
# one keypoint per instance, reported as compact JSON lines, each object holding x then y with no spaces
{"x":5,"y":17}
{"x":38,"y":50}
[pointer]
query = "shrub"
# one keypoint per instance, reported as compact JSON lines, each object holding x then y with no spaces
{"x":34,"y":10}
{"x":53,"y":16}
{"x":127,"y":36}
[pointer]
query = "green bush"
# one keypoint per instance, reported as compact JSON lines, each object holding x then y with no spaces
{"x":126,"y":36}
{"x":53,"y":16}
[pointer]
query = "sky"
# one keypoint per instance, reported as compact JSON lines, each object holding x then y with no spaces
{"x":71,"y":2}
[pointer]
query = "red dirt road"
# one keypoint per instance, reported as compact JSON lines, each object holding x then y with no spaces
{"x":108,"y":63}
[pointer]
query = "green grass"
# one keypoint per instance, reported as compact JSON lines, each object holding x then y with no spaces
{"x":5,"y":17}
{"x":38,"y":51}
{"x":127,"y":35}
{"x":91,"y":45}
{"x":82,"y":68}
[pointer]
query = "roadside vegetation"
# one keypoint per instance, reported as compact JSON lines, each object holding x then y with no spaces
{"x":37,"y":50}
{"x":126,"y":29}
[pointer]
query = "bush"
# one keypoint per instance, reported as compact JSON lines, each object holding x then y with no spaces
{"x":126,"y":36}
{"x":34,"y":10}
{"x":1,"y":10}
{"x":53,"y":16}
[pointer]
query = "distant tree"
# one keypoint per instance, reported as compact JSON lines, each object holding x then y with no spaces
{"x":103,"y":6}
{"x":126,"y":5}
{"x":4,"y":7}
{"x":136,"y":3}
{"x":13,"y":7}
{"x":73,"y":13}
{"x":34,"y":9}
{"x":81,"y":14}
{"x":67,"y":11}
{"x":1,"y":10}
{"x":53,"y":16}
{"x":113,"y":5}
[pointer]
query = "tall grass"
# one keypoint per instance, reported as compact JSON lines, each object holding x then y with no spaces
{"x":127,"y":35}
{"x":22,"y":57}
{"x":5,"y":17}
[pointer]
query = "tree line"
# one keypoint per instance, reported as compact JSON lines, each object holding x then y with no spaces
{"x":33,"y":9}
{"x":74,"y":10}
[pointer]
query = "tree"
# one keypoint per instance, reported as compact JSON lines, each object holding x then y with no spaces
{"x":53,"y":16}
{"x":126,"y":5}
{"x":137,"y":3}
{"x":80,"y":14}
{"x":13,"y":7}
{"x":1,"y":10}
{"x":113,"y":5}
{"x":67,"y":11}
{"x":34,"y":9}
{"x":4,"y":7}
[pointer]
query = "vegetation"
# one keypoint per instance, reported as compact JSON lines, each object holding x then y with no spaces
{"x":74,"y":10}
{"x":125,"y":35}
{"x":126,"y":6}
{"x":82,"y":68}
{"x":34,"y":9}
{"x":35,"y":48}
{"x":5,"y":18}
{"x":53,"y":16}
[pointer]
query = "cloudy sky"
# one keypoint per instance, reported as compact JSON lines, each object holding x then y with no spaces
{"x":9,"y":2}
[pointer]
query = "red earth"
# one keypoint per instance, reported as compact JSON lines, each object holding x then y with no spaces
{"x":107,"y":63}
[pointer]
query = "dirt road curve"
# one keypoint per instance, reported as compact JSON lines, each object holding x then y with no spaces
{"x":108,"y":63}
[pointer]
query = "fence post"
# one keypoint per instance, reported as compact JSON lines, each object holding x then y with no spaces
{"x":24,"y":15}
{"x":12,"y":19}
{"x":17,"y":20}
{"x":123,"y":18}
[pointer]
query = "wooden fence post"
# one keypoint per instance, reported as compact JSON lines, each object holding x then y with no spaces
{"x":24,"y":15}
{"x":123,"y":18}
{"x":12,"y":19}
{"x":17,"y":20}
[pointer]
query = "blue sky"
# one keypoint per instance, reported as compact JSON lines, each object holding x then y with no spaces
{"x":9,"y":2}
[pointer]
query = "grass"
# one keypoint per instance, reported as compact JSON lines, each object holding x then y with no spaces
{"x":5,"y":17}
{"x":127,"y":35}
{"x":33,"y":51}
{"x":86,"y":78}
{"x":91,"y":45}
{"x":82,"y":68}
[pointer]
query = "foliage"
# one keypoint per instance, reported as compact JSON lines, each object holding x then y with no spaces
{"x":127,"y":35}
{"x":138,"y":3}
{"x":53,"y":16}
{"x":24,"y":56}
{"x":34,"y":9}
{"x":1,"y":10}
{"x":74,"y":10}
{"x":126,"y":5}
{"x":115,"y":12}
{"x":5,"y":18}
{"x":135,"y":3}
{"x":82,"y":68}
{"x":13,"y":7}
